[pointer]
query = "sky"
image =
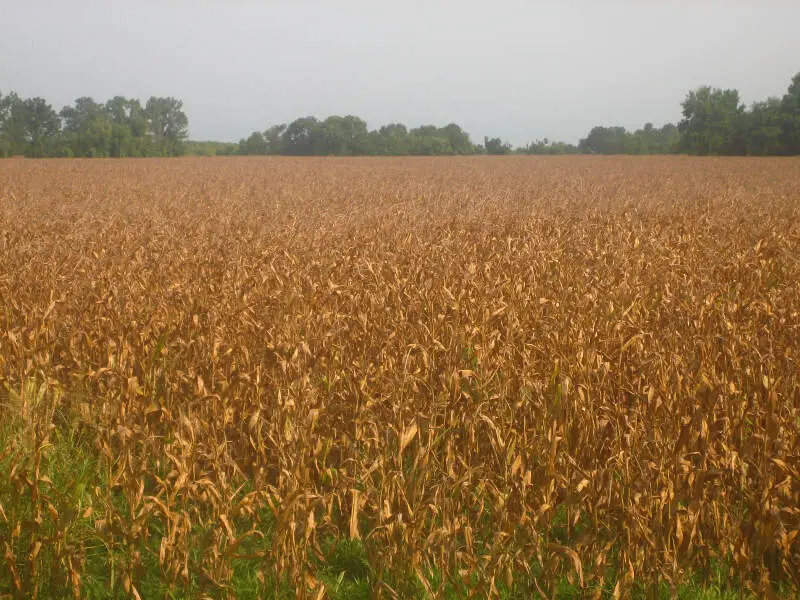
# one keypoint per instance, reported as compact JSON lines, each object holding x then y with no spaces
{"x":515,"y":69}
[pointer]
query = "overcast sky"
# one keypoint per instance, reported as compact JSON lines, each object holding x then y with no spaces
{"x":516,"y":69}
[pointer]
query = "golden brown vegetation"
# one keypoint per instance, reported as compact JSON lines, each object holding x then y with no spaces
{"x":502,"y":376}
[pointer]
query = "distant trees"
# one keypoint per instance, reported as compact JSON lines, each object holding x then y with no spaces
{"x":41,"y":126}
{"x":391,"y":140}
{"x":87,"y":130}
{"x":548,"y":147}
{"x":457,"y":139}
{"x":428,"y":140}
{"x":345,"y":136}
{"x":349,"y":136}
{"x":496,"y":146}
{"x":605,"y":140}
{"x":618,"y":140}
{"x":120,"y":127}
{"x":714,"y":122}
{"x":790,"y":118}
{"x":210,"y":148}
{"x":763,"y":128}
{"x":167,"y":124}
{"x":26,"y":126}
{"x":654,"y":140}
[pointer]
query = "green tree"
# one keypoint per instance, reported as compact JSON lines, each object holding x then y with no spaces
{"x":763,"y":128}
{"x":13,"y":125}
{"x":210,"y":148}
{"x":42,"y":125}
{"x":790,"y":118}
{"x":87,"y":130}
{"x":496,"y":146}
{"x":77,"y":118}
{"x":121,"y":141}
{"x":546,"y":146}
{"x":273,"y":137}
{"x":713,"y":122}
{"x":123,"y":111}
{"x":429,"y":140}
{"x":669,"y":138}
{"x":128,"y":127}
{"x":345,"y":136}
{"x":304,"y":137}
{"x":5,"y":110}
{"x":167,"y":124}
{"x":392,"y":140}
{"x":270,"y":141}
{"x":652,"y":140}
{"x":255,"y":144}
{"x":607,"y":140}
{"x":458,"y":139}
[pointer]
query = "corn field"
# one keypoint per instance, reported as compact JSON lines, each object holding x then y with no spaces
{"x":463,"y":377}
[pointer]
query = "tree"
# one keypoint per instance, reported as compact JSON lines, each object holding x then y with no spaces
{"x":167,"y":124}
{"x":546,"y":146}
{"x":763,"y":128}
{"x":12,"y":125}
{"x":652,"y":140}
{"x":429,"y":140}
{"x":392,"y":140}
{"x":255,"y":144}
{"x":5,"y":109}
{"x":458,"y":139}
{"x":607,"y":140}
{"x":790,"y":118}
{"x":345,"y":136}
{"x":129,"y":127}
{"x":496,"y":146}
{"x":210,"y":148}
{"x":273,"y":137}
{"x":669,"y":138}
{"x":77,"y":118}
{"x":304,"y":137}
{"x":121,"y":141}
{"x":123,"y":111}
{"x":88,"y":130}
{"x":712,"y":122}
{"x":41,"y":126}
{"x":120,"y":127}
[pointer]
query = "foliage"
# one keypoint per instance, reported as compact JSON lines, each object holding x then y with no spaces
{"x":790,"y":119}
{"x":167,"y":125}
{"x":617,"y":140}
{"x":549,"y":147}
{"x":455,"y":376}
{"x":210,"y":148}
{"x":349,"y":136}
{"x":496,"y":146}
{"x":714,"y":123}
{"x":121,"y":127}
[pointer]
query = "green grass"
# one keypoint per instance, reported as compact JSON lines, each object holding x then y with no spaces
{"x":73,"y":499}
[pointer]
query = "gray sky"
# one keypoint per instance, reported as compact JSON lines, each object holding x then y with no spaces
{"x":516,"y":69}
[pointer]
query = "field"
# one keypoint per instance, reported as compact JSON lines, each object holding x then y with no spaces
{"x":400,"y":378}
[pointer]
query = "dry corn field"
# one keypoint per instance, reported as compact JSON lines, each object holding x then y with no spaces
{"x":399,"y":378}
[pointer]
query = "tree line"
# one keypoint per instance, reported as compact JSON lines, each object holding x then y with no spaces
{"x":714,"y":122}
{"x":117,"y":128}
{"x":349,"y":136}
